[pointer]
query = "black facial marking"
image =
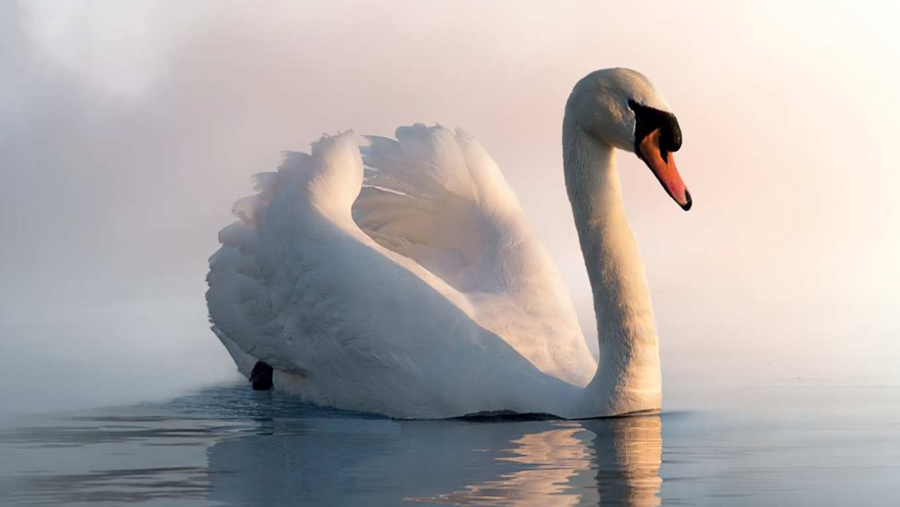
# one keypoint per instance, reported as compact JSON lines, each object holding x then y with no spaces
{"x":648,"y":119}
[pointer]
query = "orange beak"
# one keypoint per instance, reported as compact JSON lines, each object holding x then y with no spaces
{"x":662,"y":163}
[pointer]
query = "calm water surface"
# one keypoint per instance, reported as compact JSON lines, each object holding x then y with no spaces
{"x":780,"y":445}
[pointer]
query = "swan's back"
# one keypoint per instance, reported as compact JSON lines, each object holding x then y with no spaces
{"x":411,"y":285}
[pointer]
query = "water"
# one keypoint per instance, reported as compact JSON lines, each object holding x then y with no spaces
{"x":227,"y":445}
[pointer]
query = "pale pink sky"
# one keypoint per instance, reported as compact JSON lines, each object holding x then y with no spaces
{"x":128,"y":128}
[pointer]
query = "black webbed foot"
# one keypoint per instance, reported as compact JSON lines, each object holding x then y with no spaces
{"x":261,"y":376}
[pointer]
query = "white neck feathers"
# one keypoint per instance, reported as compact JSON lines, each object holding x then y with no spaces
{"x":628,"y":375}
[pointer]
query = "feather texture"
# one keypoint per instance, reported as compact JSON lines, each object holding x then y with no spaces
{"x":356,"y":280}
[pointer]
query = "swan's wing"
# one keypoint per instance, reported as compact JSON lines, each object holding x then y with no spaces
{"x":295,"y":270}
{"x":296,"y":273}
{"x":298,"y":285}
{"x":436,"y":196}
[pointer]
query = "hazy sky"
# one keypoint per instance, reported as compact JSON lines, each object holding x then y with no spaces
{"x":128,"y":128}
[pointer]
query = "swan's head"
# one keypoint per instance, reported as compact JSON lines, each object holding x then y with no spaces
{"x":620,"y":107}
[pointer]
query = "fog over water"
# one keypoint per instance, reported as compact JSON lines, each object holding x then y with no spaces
{"x":127,"y":129}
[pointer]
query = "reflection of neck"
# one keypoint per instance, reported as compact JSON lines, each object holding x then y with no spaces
{"x":627,"y":454}
{"x":628,"y":375}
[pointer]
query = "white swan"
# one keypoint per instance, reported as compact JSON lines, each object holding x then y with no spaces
{"x":408,"y":281}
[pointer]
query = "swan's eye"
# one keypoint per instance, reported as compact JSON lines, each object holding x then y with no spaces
{"x":648,"y":119}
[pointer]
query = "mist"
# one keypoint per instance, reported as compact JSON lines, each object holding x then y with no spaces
{"x":128,"y":129}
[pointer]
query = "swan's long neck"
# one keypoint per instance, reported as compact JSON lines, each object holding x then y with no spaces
{"x":628,"y":374}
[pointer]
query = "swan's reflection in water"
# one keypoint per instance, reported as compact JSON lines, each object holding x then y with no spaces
{"x":627,"y":459}
{"x":378,"y":462}
{"x":553,"y":458}
{"x":606,"y":462}
{"x":230,"y":446}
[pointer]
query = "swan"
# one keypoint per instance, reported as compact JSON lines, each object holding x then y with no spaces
{"x":403,"y":278}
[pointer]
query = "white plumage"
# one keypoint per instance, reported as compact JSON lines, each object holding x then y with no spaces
{"x":401,"y":279}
